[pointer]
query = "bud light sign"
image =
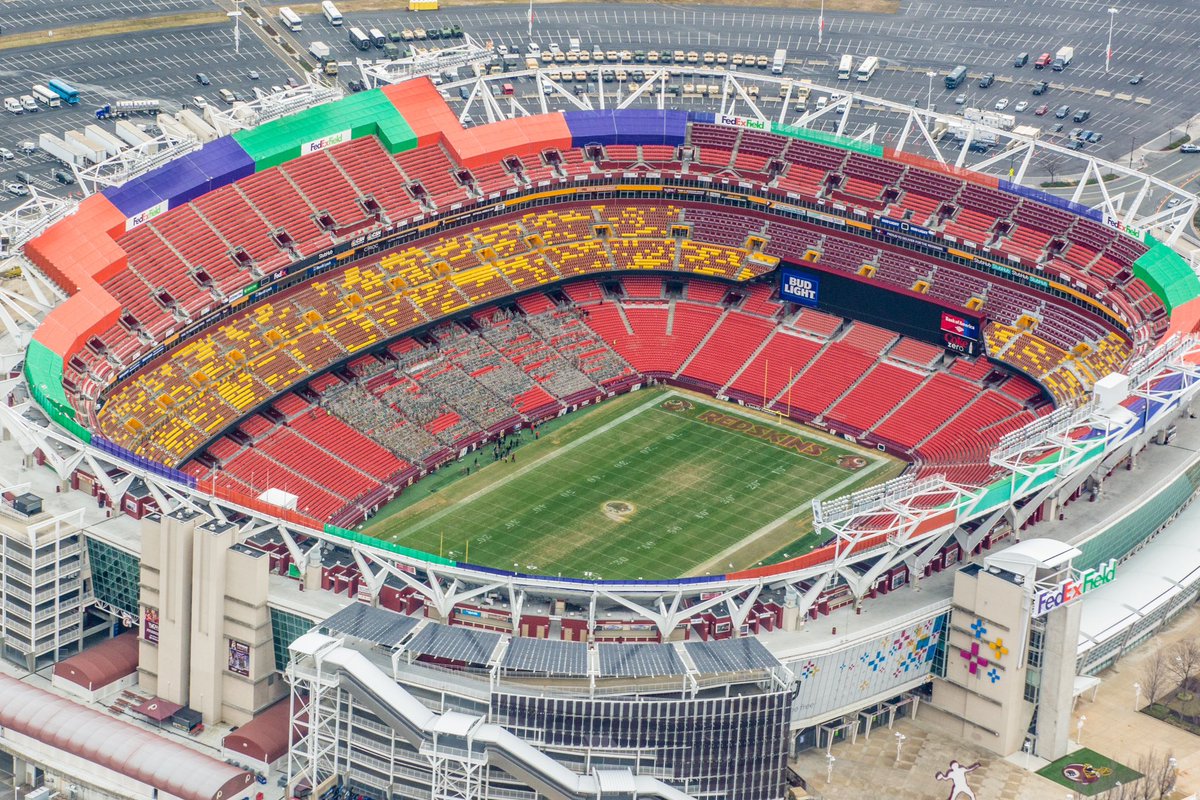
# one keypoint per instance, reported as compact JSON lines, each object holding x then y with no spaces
{"x":959,"y":326}
{"x":799,"y":287}
{"x":1070,"y":590}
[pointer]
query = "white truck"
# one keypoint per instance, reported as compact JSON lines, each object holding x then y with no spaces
{"x":779,"y":62}
{"x":1062,"y":58}
{"x":94,"y":151}
{"x":993,"y":119}
{"x":319,"y":50}
{"x":133,"y":136}
{"x":67,"y":153}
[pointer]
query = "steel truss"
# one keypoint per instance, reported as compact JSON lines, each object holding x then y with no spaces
{"x":1043,"y":460}
{"x":432,"y":62}
{"x":922,"y":131}
{"x":917,"y":527}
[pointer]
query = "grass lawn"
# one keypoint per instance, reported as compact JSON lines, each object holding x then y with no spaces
{"x":1105,"y":772}
{"x":655,"y":484}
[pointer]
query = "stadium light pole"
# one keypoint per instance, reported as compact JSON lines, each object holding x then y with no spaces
{"x":237,"y":27}
{"x":929,"y":92}
{"x":1112,"y":16}
{"x":821,"y":25}
{"x":829,"y":759}
{"x":1137,"y":696}
{"x":900,"y":737}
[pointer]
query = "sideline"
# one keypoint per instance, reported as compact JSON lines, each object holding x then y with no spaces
{"x":587,"y":437}
{"x":770,"y":527}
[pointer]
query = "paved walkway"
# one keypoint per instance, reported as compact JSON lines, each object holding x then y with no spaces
{"x":1113,"y":727}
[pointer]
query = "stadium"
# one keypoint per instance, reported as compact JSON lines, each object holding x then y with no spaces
{"x":601,"y":413}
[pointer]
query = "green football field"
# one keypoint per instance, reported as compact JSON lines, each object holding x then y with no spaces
{"x":654,"y":484}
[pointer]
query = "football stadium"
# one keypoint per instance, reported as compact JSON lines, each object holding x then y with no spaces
{"x":547,"y":457}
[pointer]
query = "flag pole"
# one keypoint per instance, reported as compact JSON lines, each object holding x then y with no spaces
{"x":530,"y":31}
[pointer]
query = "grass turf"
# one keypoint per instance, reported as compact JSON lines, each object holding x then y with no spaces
{"x":704,"y":484}
{"x":1109,"y":772}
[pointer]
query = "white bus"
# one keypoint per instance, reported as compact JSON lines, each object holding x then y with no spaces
{"x":331,"y":13}
{"x":46,"y":97}
{"x":359,"y":39}
{"x":845,"y":67}
{"x":867,"y":68}
{"x":290,"y":19}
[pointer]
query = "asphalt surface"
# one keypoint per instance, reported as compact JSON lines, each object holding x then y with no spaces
{"x":1156,"y":40}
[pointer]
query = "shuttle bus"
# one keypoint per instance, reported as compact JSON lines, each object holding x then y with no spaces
{"x":331,"y":13}
{"x":845,"y":68}
{"x":867,"y":68}
{"x":46,"y":97}
{"x":290,"y":19}
{"x":956,"y":77}
{"x":64,"y":90}
{"x":360,"y":39}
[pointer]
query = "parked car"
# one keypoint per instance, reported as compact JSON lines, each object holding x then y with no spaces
{"x":1062,"y":111}
{"x":1136,"y":79}
{"x":987,"y":80}
{"x":1057,"y":128}
{"x":1041,"y":110}
{"x":1002,"y":104}
{"x":1021,"y":106}
{"x":253,"y":75}
{"x":199,"y":102}
{"x":1021,"y":60}
{"x":1091,"y":137}
{"x":63,"y":177}
{"x":1081,"y":115}
{"x":202,"y":79}
{"x":960,"y":99}
{"x":16,"y":189}
{"x":1040,"y":88}
{"x":7,"y":154}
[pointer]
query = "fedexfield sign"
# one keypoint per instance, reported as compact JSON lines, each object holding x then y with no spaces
{"x":1070,"y":590}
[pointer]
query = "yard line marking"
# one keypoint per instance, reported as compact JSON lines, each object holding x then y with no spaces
{"x":799,"y":510}
{"x":548,"y":457}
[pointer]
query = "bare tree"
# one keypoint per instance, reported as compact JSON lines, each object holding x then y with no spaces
{"x":1052,"y":165}
{"x":1184,"y":662}
{"x":1158,"y":777}
{"x":1156,"y":676}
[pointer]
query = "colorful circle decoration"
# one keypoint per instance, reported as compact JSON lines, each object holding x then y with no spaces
{"x":1084,"y":773}
{"x":678,"y":404}
{"x":852,"y":462}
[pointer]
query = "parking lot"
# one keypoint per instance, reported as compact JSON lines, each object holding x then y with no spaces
{"x":158,"y":65}
{"x":18,"y":16}
{"x":1158,"y":42}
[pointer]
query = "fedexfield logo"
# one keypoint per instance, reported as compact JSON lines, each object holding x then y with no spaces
{"x":145,"y":216}
{"x":324,"y":142}
{"x":742,"y":122}
{"x":1069,"y":590}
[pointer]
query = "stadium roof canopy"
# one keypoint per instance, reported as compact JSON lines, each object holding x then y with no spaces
{"x":115,"y":745}
{"x":98,"y":666}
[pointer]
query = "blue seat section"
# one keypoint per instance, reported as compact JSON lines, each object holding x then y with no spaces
{"x":627,"y":126}
{"x":220,"y":162}
{"x":1051,"y":200}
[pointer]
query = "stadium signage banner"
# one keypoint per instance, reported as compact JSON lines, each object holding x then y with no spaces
{"x":741,"y":122}
{"x":324,"y":142}
{"x":960,"y":326}
{"x":960,"y":344}
{"x":799,"y":287}
{"x":889,"y":224}
{"x":1073,"y":588}
{"x":145,"y":216}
